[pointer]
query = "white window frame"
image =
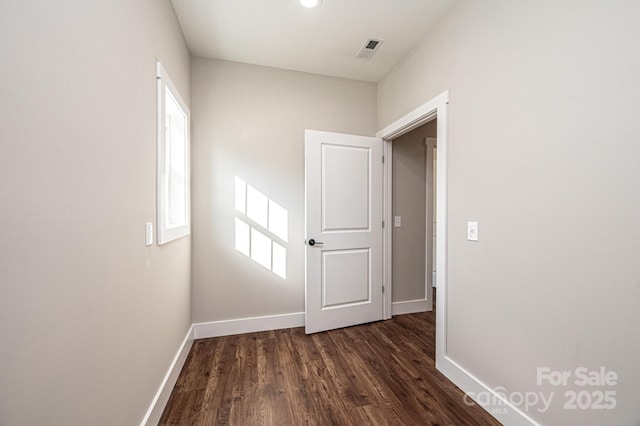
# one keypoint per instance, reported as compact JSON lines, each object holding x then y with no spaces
{"x":167,"y":233}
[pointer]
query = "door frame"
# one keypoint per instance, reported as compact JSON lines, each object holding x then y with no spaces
{"x":429,"y":217}
{"x":435,"y":108}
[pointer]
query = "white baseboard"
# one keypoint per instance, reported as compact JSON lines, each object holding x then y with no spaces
{"x":505,"y":412}
{"x":152,"y":417}
{"x":204,"y":330}
{"x":409,"y":307}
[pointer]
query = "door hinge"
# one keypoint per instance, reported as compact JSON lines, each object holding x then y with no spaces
{"x":383,"y":159}
{"x":383,"y":224}
{"x":383,"y":289}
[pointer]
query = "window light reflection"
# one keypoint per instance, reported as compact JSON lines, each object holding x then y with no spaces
{"x":259,"y":222}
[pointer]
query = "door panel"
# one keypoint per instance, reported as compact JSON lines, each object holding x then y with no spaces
{"x":345,"y":277}
{"x":343,"y":202}
{"x":345,"y":188}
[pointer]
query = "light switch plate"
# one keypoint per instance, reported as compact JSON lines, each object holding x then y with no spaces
{"x":397,"y":221}
{"x":472,"y":231}
{"x":148,"y":234}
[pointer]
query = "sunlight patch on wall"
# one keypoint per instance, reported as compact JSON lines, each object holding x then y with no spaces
{"x":257,"y":206}
{"x":242,"y":237}
{"x":259,"y":222}
{"x":278,"y":218}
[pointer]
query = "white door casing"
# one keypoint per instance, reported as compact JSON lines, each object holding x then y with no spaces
{"x":343,"y":202}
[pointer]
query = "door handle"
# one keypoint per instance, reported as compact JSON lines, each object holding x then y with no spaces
{"x":313,"y":242}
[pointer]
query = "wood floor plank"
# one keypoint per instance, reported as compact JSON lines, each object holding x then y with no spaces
{"x":381,"y":373}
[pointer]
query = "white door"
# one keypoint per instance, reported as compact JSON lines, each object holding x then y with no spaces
{"x":343,"y":202}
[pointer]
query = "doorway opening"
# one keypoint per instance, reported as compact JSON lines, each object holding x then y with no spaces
{"x":436,"y":108}
{"x":413,"y":194}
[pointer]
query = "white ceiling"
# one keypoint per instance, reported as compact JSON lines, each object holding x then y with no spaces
{"x":325,"y":40}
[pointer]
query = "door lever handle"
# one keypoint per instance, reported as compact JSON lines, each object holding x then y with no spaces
{"x":313,"y":242}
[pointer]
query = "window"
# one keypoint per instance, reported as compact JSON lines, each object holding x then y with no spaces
{"x":173,"y":161}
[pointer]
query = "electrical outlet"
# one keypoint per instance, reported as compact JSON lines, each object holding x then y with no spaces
{"x":397,"y":221}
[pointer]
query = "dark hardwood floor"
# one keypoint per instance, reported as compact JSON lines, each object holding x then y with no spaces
{"x":381,"y":373}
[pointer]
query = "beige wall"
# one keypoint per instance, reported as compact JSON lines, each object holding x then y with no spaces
{"x":90,"y":318}
{"x":249,"y":121}
{"x":543,"y":153}
{"x":409,"y":191}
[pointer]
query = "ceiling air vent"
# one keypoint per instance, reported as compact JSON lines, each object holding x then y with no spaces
{"x":369,"y":48}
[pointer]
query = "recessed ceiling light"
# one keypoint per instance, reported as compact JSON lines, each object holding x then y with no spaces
{"x":310,"y":4}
